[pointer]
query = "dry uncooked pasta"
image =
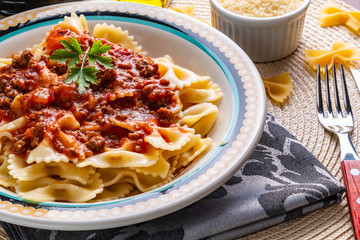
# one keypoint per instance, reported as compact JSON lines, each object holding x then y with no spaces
{"x":187,"y":10}
{"x":332,"y":15}
{"x":340,"y":52}
{"x":278,"y":87}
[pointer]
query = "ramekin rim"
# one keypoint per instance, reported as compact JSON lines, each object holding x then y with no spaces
{"x":285,"y":16}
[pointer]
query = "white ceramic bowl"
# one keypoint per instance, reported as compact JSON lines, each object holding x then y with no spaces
{"x":191,"y":44}
{"x":263,"y":39}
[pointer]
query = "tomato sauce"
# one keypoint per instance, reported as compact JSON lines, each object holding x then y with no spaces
{"x":80,"y":125}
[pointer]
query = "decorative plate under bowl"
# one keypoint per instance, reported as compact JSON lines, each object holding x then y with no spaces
{"x":191,"y":44}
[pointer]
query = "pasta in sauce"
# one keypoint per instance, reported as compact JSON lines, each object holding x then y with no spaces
{"x":136,"y":129}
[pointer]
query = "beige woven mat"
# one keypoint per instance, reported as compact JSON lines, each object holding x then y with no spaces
{"x":3,"y":235}
{"x":298,"y":116}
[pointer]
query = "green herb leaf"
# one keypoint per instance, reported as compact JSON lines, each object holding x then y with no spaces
{"x":72,"y":45}
{"x":61,"y":55}
{"x":90,"y":74}
{"x":82,"y":83}
{"x":77,"y":75}
{"x":105,"y":61}
{"x":73,"y":75}
{"x":96,"y":50}
{"x":72,"y":53}
{"x":75,"y":60}
{"x":223,"y":144}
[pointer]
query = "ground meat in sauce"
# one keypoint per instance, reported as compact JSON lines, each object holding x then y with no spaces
{"x":4,"y":101}
{"x":22,"y":60}
{"x":8,"y":87}
{"x":30,"y":139}
{"x":145,"y":68}
{"x":147,"y":99}
{"x":57,"y":68}
{"x":20,"y":77}
{"x":96,"y":144}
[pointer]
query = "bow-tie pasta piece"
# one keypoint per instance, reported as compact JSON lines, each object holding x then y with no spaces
{"x":114,"y":191}
{"x":23,"y":171}
{"x":200,"y":117}
{"x":340,"y":52}
{"x":194,"y":148}
{"x":178,"y":76}
{"x":278,"y":87}
{"x":6,"y":179}
{"x":143,"y":182}
{"x":5,"y":61}
{"x":12,"y":126}
{"x":45,"y":153}
{"x":159,"y":169}
{"x":200,"y":92}
{"x":122,"y":158}
{"x":169,"y":138}
{"x":187,"y":10}
{"x":52,"y":189}
{"x":36,"y":181}
{"x":332,"y":15}
{"x":209,"y":93}
{"x":74,"y":23}
{"x":116,"y":35}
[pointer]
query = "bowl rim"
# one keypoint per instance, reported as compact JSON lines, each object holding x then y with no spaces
{"x":48,"y":217}
{"x":259,"y":20}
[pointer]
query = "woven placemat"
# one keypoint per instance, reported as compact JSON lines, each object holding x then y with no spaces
{"x":298,"y":115}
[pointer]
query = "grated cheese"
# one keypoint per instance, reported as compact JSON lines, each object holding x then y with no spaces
{"x":261,"y":8}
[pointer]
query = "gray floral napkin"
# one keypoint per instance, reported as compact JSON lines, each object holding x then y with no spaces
{"x":280,"y":181}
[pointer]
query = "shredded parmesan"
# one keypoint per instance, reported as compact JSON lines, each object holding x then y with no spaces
{"x":261,"y":8}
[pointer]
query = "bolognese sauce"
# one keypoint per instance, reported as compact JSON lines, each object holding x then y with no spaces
{"x":82,"y":124}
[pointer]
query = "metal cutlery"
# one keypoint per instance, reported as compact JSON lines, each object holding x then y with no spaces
{"x":356,"y":75}
{"x":342,"y":123}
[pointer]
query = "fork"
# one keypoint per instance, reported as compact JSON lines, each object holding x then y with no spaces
{"x":342,"y":124}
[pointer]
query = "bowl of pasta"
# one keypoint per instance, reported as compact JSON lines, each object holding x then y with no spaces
{"x":117,"y":113}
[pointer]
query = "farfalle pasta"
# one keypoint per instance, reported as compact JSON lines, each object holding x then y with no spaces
{"x":278,"y":87}
{"x":340,"y":52}
{"x":116,"y":35}
{"x":332,"y":15}
{"x":135,"y":129}
{"x":187,"y":10}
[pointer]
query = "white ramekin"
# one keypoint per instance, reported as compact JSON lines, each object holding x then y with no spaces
{"x":263,"y":39}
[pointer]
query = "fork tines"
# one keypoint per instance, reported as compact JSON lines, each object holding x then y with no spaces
{"x":336,"y":92}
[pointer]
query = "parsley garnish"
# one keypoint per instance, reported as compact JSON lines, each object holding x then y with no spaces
{"x":83,"y":76}
{"x":223,"y":144}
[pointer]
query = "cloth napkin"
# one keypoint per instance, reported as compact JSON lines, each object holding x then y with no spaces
{"x":280,"y":181}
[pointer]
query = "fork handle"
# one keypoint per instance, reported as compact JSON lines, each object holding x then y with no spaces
{"x":351,"y":174}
